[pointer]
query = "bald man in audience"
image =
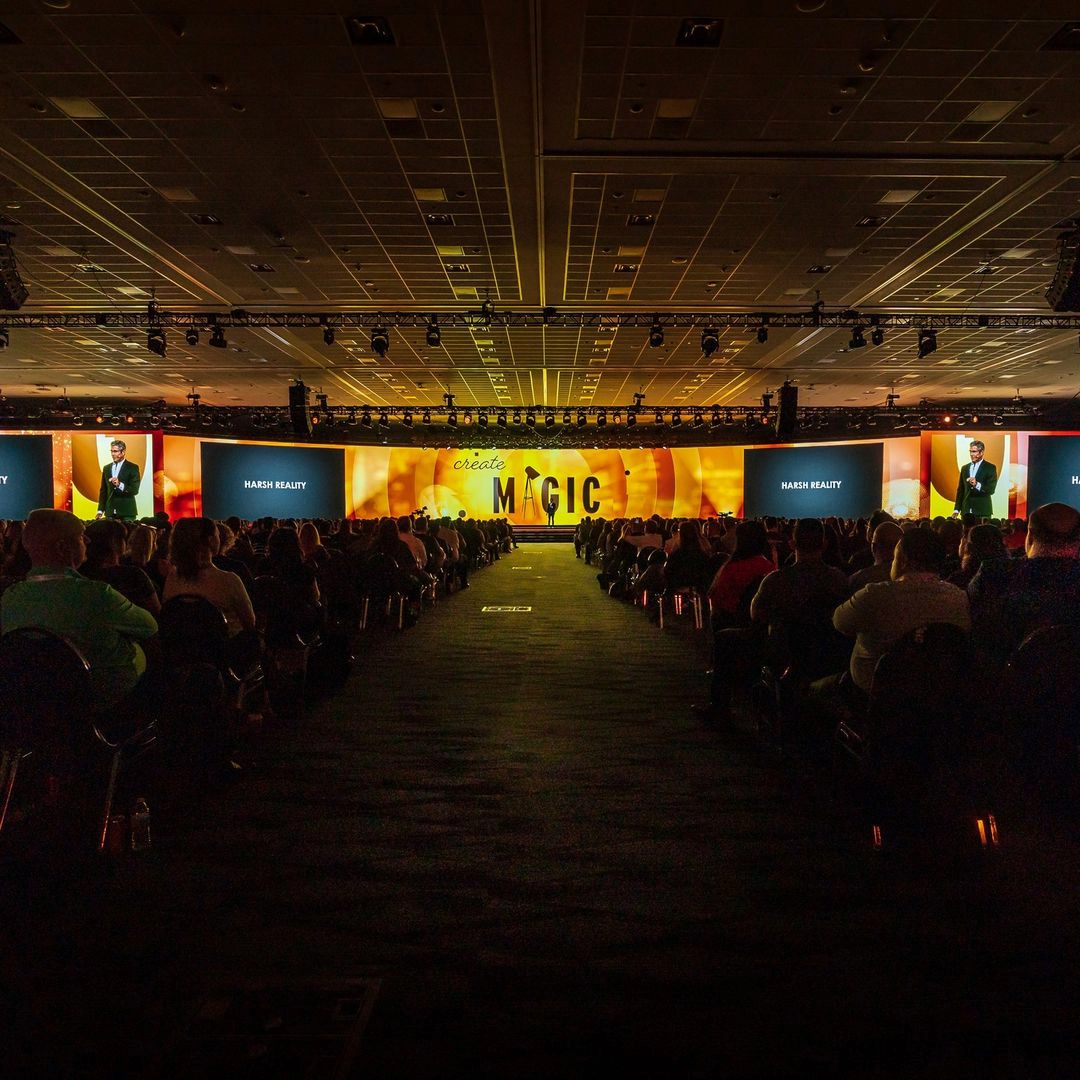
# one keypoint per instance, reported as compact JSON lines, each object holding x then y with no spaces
{"x":94,"y":616}
{"x":1012,"y":597}
{"x":883,"y":545}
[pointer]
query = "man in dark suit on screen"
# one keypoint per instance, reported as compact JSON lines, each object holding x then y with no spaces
{"x":975,"y":489}
{"x":119,"y":485}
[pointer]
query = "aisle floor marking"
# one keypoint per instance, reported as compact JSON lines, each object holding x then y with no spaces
{"x":500,"y":608}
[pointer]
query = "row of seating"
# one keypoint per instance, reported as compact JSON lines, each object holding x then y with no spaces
{"x":203,"y":701}
{"x":929,"y":741}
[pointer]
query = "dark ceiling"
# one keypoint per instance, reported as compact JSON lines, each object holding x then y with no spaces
{"x":905,"y":157}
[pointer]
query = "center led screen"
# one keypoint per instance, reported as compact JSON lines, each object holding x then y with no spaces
{"x":813,"y":481}
{"x":255,"y":480}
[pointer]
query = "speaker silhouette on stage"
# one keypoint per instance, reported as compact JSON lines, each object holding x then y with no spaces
{"x":530,"y":475}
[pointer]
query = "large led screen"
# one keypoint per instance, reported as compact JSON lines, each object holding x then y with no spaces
{"x":813,"y":481}
{"x":1053,"y":470}
{"x":90,"y":457}
{"x":949,"y":456}
{"x":256,"y":480}
{"x":517,"y":484}
{"x":26,"y":474}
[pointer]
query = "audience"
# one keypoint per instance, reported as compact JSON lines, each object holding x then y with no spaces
{"x":882,"y":547}
{"x":1012,"y":597}
{"x":883,"y":612}
{"x":105,"y":541}
{"x":106,"y":627}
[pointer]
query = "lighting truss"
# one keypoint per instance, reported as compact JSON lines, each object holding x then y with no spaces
{"x":747,"y":322}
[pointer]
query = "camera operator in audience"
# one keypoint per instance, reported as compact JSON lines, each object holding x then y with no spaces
{"x":1012,"y":597}
{"x":104,"y":625}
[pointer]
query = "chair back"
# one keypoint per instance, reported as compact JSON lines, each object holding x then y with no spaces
{"x":805,"y":649}
{"x":44,"y":689}
{"x":918,"y":699}
{"x":193,"y":631}
{"x":1042,"y":721}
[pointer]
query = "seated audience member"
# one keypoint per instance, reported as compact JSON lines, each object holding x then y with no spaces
{"x":141,"y":541}
{"x":882,"y":547}
{"x":311,"y":545}
{"x":459,"y":559}
{"x":104,"y":625}
{"x":805,"y":592}
{"x":16,"y":559}
{"x":792,"y":606}
{"x":981,"y":543}
{"x":878,"y":615}
{"x":436,"y":553}
{"x":1012,"y":597}
{"x":296,"y":577}
{"x":690,"y":563}
{"x":225,"y":557}
{"x":1016,"y":538}
{"x":105,"y":541}
{"x":192,"y":546}
{"x":864,"y":556}
{"x":738,"y":580}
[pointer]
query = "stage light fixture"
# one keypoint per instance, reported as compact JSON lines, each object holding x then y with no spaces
{"x":566,"y":417}
{"x":676,"y":418}
{"x":466,"y":418}
{"x":656,"y":334}
{"x":191,"y":336}
{"x":631,"y":418}
{"x":582,"y":419}
{"x":365,"y":418}
{"x":659,"y":417}
{"x":501,"y":418}
{"x":129,"y":419}
{"x":155,"y":340}
{"x":99,"y":419}
{"x":482,"y":419}
{"x":328,"y":335}
{"x":601,"y":419}
{"x":5,"y":337}
{"x":924,"y":420}
{"x":927,"y":343}
{"x":762,"y":334}
{"x":877,"y":335}
{"x":517,"y":416}
{"x":999,"y":421}
{"x":217,"y":337}
{"x":766,"y":401}
{"x":946,"y":419}
{"x":426,"y":418}
{"x":549,"y":419}
{"x":406,"y":418}
{"x":616,"y":417}
{"x":729,"y":419}
{"x":434,"y":334}
{"x":961,"y":420}
{"x":698,"y":419}
{"x":858,"y":340}
{"x":975,"y":418}
{"x":384,"y":419}
{"x":715,"y":420}
{"x":530,"y":418}
{"x":380,"y":341}
{"x":710,"y":341}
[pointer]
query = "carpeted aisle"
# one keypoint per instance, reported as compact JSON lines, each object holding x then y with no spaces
{"x":510,"y":825}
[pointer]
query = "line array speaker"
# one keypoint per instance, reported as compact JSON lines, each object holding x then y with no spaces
{"x":300,"y":408}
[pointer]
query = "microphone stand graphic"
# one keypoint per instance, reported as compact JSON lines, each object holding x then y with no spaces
{"x":530,"y":475}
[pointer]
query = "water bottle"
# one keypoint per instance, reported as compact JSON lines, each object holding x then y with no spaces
{"x":140,"y":825}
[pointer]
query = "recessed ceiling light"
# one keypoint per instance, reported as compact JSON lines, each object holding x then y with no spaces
{"x":898,"y":196}
{"x":429,"y":194}
{"x":1018,"y":253}
{"x":78,"y":108}
{"x":397,"y":108}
